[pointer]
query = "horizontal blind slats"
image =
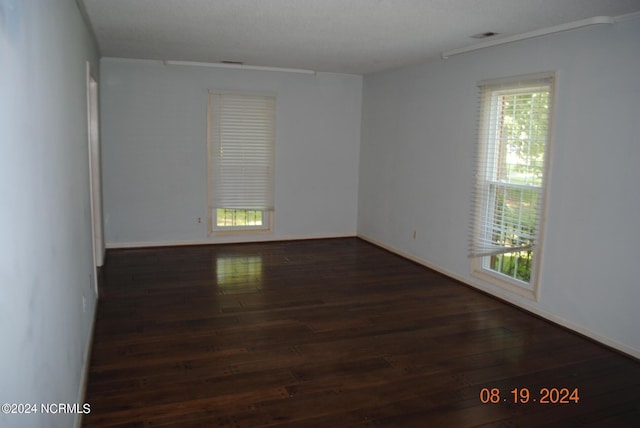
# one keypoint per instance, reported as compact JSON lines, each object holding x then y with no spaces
{"x":242,"y":151}
{"x":513,"y":130}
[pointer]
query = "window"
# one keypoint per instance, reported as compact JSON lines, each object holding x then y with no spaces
{"x":514,"y":135}
{"x":241,"y":140}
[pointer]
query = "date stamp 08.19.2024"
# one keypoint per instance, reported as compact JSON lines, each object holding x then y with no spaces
{"x":526,"y":396}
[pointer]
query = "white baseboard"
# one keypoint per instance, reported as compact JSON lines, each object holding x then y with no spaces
{"x":84,"y":377}
{"x":529,"y":307}
{"x":226,"y":240}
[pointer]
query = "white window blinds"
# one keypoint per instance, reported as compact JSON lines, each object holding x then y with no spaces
{"x":241,"y":151}
{"x":514,"y":131}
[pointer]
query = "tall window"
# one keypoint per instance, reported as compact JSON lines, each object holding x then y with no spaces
{"x":515,"y":127}
{"x":241,"y":161}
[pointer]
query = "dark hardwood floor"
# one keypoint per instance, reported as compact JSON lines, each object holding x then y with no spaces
{"x":332,"y":333}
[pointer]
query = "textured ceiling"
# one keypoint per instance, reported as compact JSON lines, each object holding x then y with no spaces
{"x":346,"y":36}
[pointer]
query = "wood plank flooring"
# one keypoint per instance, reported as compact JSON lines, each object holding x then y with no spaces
{"x":331,"y":333}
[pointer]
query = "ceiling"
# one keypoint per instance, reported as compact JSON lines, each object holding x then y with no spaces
{"x":342,"y":36}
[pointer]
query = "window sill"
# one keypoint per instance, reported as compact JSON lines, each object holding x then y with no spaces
{"x":505,"y":283}
{"x":229,"y":232}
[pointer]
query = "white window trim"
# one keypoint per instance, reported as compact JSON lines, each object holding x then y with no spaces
{"x":528,"y":290}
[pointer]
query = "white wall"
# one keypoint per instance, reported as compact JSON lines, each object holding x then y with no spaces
{"x":45,"y":228}
{"x":418,"y":138}
{"x":154,"y":141}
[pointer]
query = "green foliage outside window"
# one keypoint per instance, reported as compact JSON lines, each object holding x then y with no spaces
{"x":238,"y":218}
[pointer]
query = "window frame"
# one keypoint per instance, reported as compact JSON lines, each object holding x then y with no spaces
{"x":479,"y":268}
{"x":267,"y":214}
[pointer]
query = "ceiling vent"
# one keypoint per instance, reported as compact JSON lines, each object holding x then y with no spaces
{"x":484,"y":35}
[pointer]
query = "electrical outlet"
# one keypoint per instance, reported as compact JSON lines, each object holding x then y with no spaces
{"x":199,"y":220}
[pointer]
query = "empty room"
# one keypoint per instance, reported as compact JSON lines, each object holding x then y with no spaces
{"x":296,"y":213}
